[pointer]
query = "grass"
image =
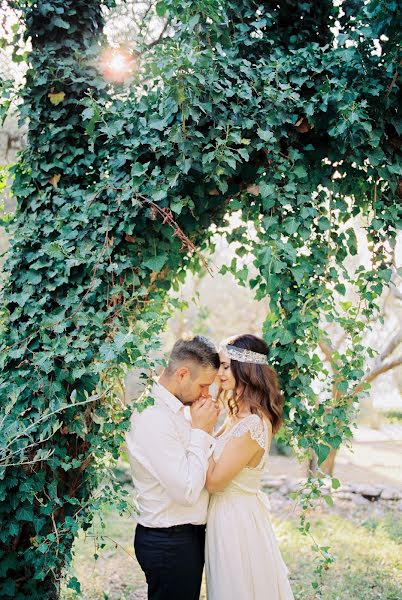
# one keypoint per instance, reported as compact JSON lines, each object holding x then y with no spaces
{"x":367,"y":544}
{"x":368,"y":564}
{"x":393,"y":416}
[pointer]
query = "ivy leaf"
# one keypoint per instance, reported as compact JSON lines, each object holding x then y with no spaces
{"x":74,"y":584}
{"x":92,"y":115}
{"x":291,"y":225}
{"x":156,"y":263}
{"x":286,"y":338}
{"x":159,"y":124}
{"x":59,"y":22}
{"x":22,"y":298}
{"x":342,"y":386}
{"x":351,"y":241}
{"x":300,"y":172}
{"x":23,"y":514}
{"x":138,"y":169}
{"x":179,"y":94}
{"x":385,"y":275}
{"x":322,"y":451}
{"x":56,"y":97}
{"x":161,"y":9}
{"x":158,"y":195}
{"x":244,"y":154}
{"x":266,"y":189}
{"x":265,"y":135}
{"x":193,"y":21}
{"x":55,"y":250}
{"x":177,"y":206}
{"x":340,"y":288}
{"x":334,"y":441}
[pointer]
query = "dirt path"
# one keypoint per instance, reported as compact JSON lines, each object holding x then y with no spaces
{"x":366,"y":462}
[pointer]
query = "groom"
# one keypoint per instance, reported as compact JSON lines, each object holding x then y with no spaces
{"x":169,"y":445}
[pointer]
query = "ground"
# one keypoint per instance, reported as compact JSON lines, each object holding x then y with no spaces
{"x":366,"y":538}
{"x":373,"y":459}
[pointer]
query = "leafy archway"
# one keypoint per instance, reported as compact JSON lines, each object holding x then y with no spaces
{"x":287,"y":113}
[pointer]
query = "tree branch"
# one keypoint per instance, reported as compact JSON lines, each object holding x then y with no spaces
{"x":392,"y":345}
{"x":395,"y":292}
{"x":326,"y":349}
{"x":395,"y":77}
{"x":383,"y":368}
{"x":159,"y":38}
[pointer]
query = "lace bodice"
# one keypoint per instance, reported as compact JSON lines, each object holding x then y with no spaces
{"x":252,"y":424}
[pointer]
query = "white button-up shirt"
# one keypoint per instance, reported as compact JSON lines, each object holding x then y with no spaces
{"x":169,"y":461}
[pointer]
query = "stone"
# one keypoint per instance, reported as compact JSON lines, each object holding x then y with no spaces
{"x":345,"y":495}
{"x":344,"y":487}
{"x":272,"y":483}
{"x":275,"y":496}
{"x":391,"y":494}
{"x":295,"y":484}
{"x":359,"y":500}
{"x":370,"y":492}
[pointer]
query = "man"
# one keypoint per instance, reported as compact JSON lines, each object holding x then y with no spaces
{"x":169,"y":445}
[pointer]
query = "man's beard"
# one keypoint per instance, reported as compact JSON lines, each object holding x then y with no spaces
{"x":186,"y":400}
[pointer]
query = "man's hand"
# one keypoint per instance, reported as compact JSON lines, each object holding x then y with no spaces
{"x":204,"y":414}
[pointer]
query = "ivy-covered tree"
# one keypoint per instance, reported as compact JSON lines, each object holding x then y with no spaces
{"x":286,"y":112}
{"x":50,"y":415}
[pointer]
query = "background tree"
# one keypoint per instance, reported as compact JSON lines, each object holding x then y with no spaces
{"x":287,"y":113}
{"x":386,"y":358}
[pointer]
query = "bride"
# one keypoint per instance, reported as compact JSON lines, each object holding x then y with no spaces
{"x":243,"y":561}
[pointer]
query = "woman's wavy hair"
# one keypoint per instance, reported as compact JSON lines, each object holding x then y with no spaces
{"x":257,"y":386}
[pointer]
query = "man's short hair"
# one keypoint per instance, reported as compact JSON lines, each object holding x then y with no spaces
{"x":198,"y":350}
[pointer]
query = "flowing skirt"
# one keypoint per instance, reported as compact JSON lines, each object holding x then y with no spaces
{"x":242,"y":557}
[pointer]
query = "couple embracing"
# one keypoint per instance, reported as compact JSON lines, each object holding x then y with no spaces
{"x":198,"y":491}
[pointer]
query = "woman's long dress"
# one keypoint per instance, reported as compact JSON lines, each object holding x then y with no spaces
{"x":242,"y":560}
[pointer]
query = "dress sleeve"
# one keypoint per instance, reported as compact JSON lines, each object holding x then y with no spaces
{"x":255,"y":426}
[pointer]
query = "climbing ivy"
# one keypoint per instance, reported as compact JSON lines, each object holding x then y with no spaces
{"x":285,"y":114}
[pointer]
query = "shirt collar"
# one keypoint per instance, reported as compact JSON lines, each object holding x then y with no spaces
{"x":162,"y":394}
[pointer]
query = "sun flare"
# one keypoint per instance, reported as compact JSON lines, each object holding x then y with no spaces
{"x":117,"y":64}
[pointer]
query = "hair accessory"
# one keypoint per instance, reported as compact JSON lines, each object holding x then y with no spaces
{"x":243,"y":355}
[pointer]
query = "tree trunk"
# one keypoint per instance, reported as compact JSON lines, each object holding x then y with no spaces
{"x":44,"y":478}
{"x":329,"y":463}
{"x":312,"y":464}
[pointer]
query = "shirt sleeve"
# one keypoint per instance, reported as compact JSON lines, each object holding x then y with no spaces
{"x":154,"y":441}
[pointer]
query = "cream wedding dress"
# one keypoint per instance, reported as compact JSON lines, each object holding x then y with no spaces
{"x":242,"y":558}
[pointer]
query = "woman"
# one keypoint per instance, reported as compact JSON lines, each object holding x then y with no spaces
{"x":242,"y":560}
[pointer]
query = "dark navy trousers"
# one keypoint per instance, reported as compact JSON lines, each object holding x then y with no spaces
{"x":172,"y":559}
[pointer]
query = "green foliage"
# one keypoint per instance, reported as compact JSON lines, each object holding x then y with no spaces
{"x":68,"y":319}
{"x":253,"y":109}
{"x":393,"y":416}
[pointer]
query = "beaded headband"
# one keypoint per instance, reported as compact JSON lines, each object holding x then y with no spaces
{"x":243,"y":355}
